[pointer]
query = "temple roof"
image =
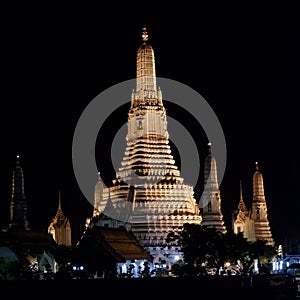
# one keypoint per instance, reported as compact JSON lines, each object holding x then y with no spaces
{"x":242,"y":206}
{"x":123,"y":242}
{"x":27,"y":241}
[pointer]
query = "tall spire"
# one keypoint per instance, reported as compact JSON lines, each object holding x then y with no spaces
{"x":259,"y":209}
{"x":258,"y":185}
{"x":254,"y":222}
{"x":147,"y":126}
{"x":60,"y":227}
{"x":241,"y":192}
{"x":241,"y":217}
{"x":18,"y":204}
{"x":210,"y":170}
{"x":148,"y":192}
{"x":210,"y":201}
{"x":145,"y":70}
{"x":242,"y":206}
{"x":59,"y":209}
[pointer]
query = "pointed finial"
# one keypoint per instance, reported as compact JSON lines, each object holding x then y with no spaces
{"x":18,"y":159}
{"x":241,"y":192}
{"x":256,"y":166}
{"x":209,"y":147}
{"x":59,"y":199}
{"x":99,"y":177}
{"x":145,"y":34}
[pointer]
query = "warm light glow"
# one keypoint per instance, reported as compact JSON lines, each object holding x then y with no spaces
{"x":145,"y":34}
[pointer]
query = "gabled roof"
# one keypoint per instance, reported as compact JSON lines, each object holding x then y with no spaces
{"x":27,"y":241}
{"x":123,"y":242}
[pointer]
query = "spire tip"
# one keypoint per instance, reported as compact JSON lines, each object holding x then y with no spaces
{"x":145,"y":34}
{"x":209,"y":147}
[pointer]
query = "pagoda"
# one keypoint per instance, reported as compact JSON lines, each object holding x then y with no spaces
{"x":254,"y":222}
{"x":210,"y":201}
{"x":148,"y":195}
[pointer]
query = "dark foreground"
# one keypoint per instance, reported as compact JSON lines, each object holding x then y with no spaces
{"x":233,"y":286}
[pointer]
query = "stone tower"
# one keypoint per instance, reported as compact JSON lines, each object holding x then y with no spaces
{"x":148,"y":194}
{"x":18,"y":204}
{"x":259,"y":209}
{"x":254,"y":222}
{"x":210,"y":202}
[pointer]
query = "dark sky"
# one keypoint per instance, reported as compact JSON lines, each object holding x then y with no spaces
{"x":243,"y":58}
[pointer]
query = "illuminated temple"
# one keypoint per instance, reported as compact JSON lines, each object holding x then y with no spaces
{"x":254,"y":222}
{"x":148,"y":195}
{"x":210,"y":201}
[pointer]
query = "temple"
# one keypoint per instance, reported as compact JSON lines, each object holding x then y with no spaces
{"x":18,"y":203}
{"x":210,"y":202}
{"x":35,"y":247}
{"x":149,"y":196}
{"x":254,"y":222}
{"x":60,"y":227}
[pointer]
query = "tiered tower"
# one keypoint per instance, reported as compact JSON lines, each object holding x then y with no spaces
{"x":210,"y":202}
{"x":254,"y":223}
{"x":36,"y":245}
{"x":148,"y":193}
{"x":259,"y":209}
{"x":18,"y":204}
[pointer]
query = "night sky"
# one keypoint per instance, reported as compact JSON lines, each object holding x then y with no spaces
{"x":242,"y":58}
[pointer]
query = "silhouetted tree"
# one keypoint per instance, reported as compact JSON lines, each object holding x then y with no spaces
{"x":206,"y":248}
{"x":63,"y":256}
{"x":94,"y":255}
{"x":202,"y":247}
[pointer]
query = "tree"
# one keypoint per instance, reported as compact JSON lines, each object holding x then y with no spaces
{"x":264,"y":253}
{"x":9,"y":270}
{"x":93,"y":254}
{"x":237,"y":250}
{"x":63,"y":256}
{"x":205,"y":248}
